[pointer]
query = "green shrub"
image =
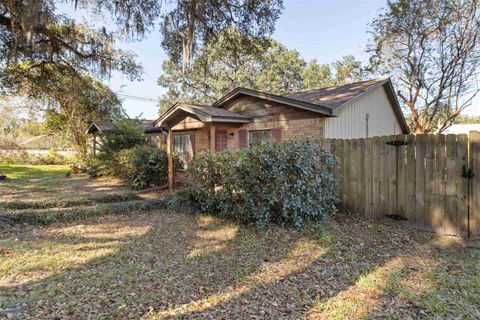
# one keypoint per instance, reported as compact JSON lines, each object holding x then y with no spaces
{"x":142,"y":166}
{"x":97,"y":167}
{"x":287,"y":183}
{"x":126,"y":134}
{"x":183,"y":202}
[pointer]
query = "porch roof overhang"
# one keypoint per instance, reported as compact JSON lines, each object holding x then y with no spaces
{"x":206,"y":114}
{"x":99,"y":126}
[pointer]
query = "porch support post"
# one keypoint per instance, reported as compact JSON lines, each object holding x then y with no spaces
{"x":170,"y":160}
{"x":94,"y":144}
{"x":212,"y":137}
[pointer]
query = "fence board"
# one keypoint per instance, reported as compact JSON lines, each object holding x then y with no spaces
{"x":341,"y":176}
{"x":450,"y":222}
{"x":475,"y":183}
{"x":375,"y":177}
{"x":348,"y":191}
{"x":384,"y":176}
{"x":462,"y":184}
{"x":354,"y":175}
{"x":420,"y":180}
{"x":430,"y":142}
{"x":420,"y":183}
{"x":392,"y":177}
{"x":400,"y":178}
{"x":361,"y":179}
{"x":410,"y":182}
{"x":439,"y":184}
{"x":369,"y":159}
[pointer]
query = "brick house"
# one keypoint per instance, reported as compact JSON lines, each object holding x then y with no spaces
{"x":245,"y":117}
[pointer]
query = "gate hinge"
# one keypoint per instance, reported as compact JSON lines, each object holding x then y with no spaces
{"x":467,"y":173}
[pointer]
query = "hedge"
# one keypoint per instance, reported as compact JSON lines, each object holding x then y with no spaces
{"x":287,"y":183}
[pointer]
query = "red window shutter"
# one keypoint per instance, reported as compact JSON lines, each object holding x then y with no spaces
{"x":242,"y":138}
{"x":276,"y":135}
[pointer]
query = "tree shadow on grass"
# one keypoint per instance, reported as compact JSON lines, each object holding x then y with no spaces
{"x":440,"y":280}
{"x":176,"y":265}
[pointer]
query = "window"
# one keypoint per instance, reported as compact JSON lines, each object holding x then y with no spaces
{"x":184,"y":146}
{"x":258,"y":136}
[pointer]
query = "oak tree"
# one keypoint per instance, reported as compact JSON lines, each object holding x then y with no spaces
{"x":431,"y":49}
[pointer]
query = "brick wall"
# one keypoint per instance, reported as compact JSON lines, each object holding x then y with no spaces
{"x":295,"y":123}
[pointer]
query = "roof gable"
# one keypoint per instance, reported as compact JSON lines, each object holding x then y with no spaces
{"x":317,"y":108}
{"x":336,"y":97}
{"x":203,"y":113}
{"x":107,"y":125}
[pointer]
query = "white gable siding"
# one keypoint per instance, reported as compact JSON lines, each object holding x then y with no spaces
{"x":351,"y":120}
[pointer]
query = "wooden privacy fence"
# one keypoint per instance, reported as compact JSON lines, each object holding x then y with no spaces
{"x":431,"y":180}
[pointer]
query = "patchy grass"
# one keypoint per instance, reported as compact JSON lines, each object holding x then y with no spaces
{"x":48,"y":216}
{"x":169,"y":265}
{"x":48,"y":183}
{"x":74,"y":201}
{"x":165,"y":264}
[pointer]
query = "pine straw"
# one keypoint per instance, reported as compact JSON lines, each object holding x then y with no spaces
{"x":166,"y":265}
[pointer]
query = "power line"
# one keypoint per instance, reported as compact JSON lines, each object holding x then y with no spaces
{"x":137,"y":98}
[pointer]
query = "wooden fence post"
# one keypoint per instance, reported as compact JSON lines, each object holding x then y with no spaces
{"x":170,"y":161}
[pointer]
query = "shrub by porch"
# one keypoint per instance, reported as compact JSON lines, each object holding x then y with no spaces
{"x":287,"y":183}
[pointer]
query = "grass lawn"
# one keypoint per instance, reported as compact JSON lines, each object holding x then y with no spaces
{"x":38,"y":182}
{"x":16,"y":172}
{"x":165,"y":264}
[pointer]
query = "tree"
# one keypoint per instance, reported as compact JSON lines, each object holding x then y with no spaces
{"x":33,"y":31}
{"x":466,"y":119}
{"x":126,"y":134}
{"x":348,"y":70}
{"x":431,"y":49}
{"x":70,"y":101}
{"x":317,"y":75}
{"x":227,"y":63}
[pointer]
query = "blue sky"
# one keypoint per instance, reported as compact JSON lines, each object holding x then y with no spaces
{"x":325,"y":30}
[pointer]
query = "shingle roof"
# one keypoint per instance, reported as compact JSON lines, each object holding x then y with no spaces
{"x":107,"y":125}
{"x":216,"y":112}
{"x":103,"y":125}
{"x":203,"y":112}
{"x":334,"y":97}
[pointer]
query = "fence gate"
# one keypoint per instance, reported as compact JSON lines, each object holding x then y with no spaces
{"x":431,"y":181}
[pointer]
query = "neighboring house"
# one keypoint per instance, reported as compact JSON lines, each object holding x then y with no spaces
{"x":153,"y":134}
{"x":462,"y":128}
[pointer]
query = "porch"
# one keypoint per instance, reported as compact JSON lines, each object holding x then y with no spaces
{"x":196,"y":128}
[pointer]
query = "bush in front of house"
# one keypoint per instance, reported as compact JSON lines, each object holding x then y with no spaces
{"x":142,"y":166}
{"x":126,"y":134}
{"x":287,"y":183}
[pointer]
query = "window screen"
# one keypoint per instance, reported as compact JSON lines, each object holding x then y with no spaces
{"x":258,"y":136}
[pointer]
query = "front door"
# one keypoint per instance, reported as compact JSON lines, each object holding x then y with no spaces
{"x":220,"y":140}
